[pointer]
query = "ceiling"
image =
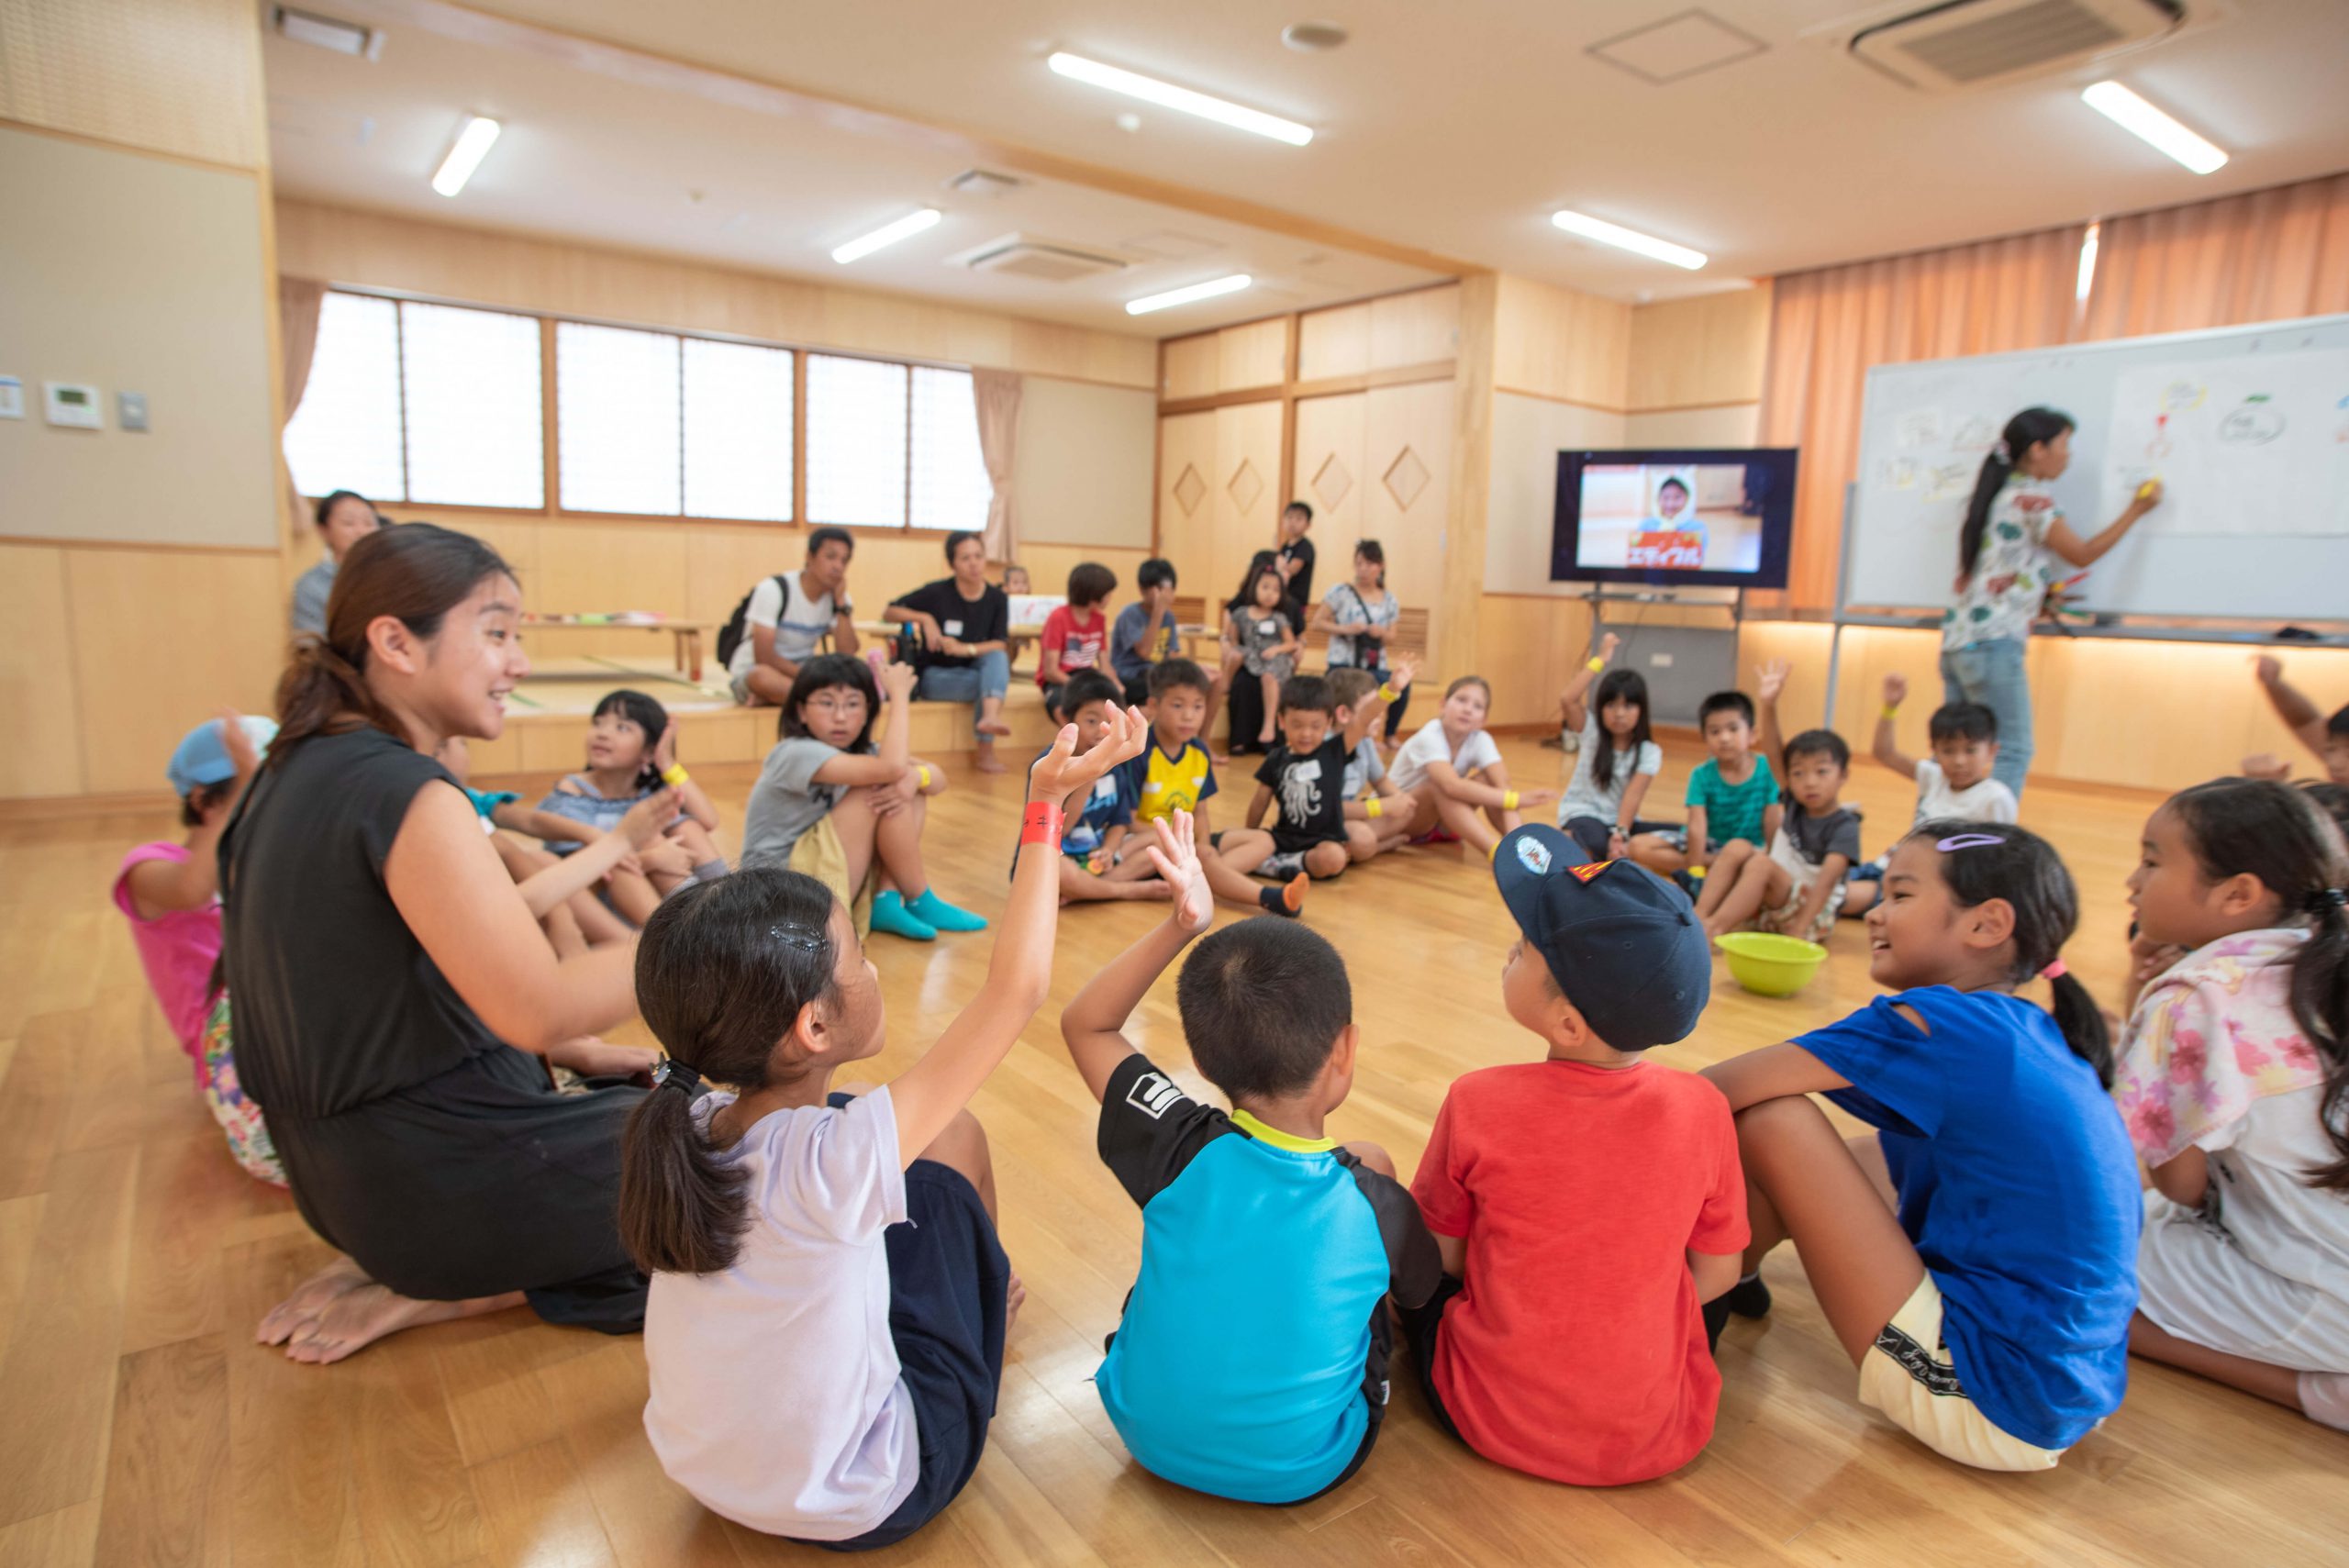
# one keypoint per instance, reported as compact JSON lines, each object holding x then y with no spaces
{"x":1453,"y":131}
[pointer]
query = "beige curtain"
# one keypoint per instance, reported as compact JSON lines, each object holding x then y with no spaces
{"x":2263,"y":256}
{"x":997,"y":395}
{"x":298,"y":301}
{"x":1827,"y":327}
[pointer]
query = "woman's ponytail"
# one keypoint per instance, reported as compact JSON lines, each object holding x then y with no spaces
{"x":2023,"y":431}
{"x":723,"y":970}
{"x":1983,"y":860}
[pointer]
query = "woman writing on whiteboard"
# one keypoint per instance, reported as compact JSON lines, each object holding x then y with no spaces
{"x":2012,"y":526}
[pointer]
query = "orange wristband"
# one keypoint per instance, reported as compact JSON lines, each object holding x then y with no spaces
{"x":1041,"y":825}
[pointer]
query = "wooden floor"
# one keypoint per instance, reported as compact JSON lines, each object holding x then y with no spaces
{"x":138,"y":1423}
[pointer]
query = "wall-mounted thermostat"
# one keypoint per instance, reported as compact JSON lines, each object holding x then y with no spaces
{"x":12,"y":398}
{"x":74,"y":405}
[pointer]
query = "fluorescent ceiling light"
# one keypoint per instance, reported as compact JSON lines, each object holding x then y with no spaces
{"x":1167,"y":95}
{"x":472,"y":146}
{"x":888,"y":234}
{"x":2142,"y":120}
{"x":1628,"y":239}
{"x":1172,"y":298}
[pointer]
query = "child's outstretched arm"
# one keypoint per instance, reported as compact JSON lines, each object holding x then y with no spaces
{"x":640,"y":828}
{"x":1886,"y":748}
{"x":690,"y":799}
{"x":1368,"y":712}
{"x":1093,"y":1023}
{"x":1571,"y":706}
{"x":165,"y":887}
{"x":2292,"y":706}
{"x":930,"y":1093}
{"x":1770,"y":683}
{"x":1774,"y":1073}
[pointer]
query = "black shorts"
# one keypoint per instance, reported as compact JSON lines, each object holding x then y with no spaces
{"x":1591,"y":833}
{"x":948,"y":1277}
{"x":1291,"y":841}
{"x":1420,"y":1325}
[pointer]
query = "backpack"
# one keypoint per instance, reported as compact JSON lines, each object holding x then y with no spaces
{"x":730,"y":635}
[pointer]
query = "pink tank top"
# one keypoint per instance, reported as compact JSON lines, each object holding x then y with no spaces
{"x":178,"y":949}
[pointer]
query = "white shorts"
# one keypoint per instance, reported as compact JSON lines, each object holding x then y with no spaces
{"x":1909,"y":1375}
{"x":1783,"y":856}
{"x":2193,"y":1281}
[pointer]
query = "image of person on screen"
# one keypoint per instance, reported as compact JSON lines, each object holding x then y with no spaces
{"x":1670,"y":535}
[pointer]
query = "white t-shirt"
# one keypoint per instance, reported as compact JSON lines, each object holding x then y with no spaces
{"x":776,"y":1394}
{"x":1985,"y":800}
{"x":1410,"y":769}
{"x":798,"y":626}
{"x":1583,"y":796}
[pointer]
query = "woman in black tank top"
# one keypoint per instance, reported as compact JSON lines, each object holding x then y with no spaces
{"x":393,"y":994}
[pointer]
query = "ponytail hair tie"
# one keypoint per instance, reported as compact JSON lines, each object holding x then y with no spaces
{"x":2326,"y":898}
{"x":2003,"y":453}
{"x":674,"y":1075}
{"x":2055,"y":971}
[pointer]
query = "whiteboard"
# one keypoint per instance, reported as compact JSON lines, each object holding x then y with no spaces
{"x":2246,"y":427}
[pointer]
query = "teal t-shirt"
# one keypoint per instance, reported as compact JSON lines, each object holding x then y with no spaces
{"x":1733,"y":811}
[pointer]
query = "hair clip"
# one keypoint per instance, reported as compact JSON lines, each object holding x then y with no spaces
{"x":674,"y":1075}
{"x":2002,"y":451}
{"x":1967,"y":841}
{"x":2325,"y":898}
{"x":793,"y":936}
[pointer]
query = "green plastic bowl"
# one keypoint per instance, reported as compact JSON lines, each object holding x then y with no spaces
{"x":1768,"y":965}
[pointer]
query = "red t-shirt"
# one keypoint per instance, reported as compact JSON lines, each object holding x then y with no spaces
{"x":1078,"y":643}
{"x":1574,"y":1348}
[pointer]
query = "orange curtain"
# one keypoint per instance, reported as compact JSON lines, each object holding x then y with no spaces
{"x":298,"y":303}
{"x":996,"y":392}
{"x":2263,"y":256}
{"x":1827,"y":327}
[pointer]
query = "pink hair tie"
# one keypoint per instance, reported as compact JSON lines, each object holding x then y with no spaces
{"x":2054,"y":971}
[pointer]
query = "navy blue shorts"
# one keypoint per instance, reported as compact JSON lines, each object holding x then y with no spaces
{"x":948,"y":1277}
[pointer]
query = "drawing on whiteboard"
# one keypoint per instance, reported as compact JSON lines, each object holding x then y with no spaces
{"x":1900,"y":473}
{"x":1950,"y":481}
{"x":1920,"y":428}
{"x":1978,"y":434}
{"x":2239,"y":445}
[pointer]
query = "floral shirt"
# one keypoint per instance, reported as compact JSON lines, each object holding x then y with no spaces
{"x":2214,"y":1033}
{"x":2009,"y":580}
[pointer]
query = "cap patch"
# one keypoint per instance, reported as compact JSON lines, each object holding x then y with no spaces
{"x":1534,"y":856}
{"x":1586,"y":873}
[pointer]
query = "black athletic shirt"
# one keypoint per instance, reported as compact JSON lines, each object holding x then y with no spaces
{"x":986,"y":618}
{"x":1310,"y":791}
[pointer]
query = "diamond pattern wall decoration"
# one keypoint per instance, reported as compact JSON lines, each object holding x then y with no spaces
{"x":1245,"y":486}
{"x":1406,"y":477}
{"x":1190,"y":489}
{"x":1332,"y":484}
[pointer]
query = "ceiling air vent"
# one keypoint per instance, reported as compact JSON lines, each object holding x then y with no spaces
{"x":1047,"y":261}
{"x":1966,"y":44}
{"x":328,"y":33}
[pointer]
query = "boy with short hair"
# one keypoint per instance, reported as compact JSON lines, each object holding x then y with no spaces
{"x":1953,"y":784}
{"x":1144,"y":634}
{"x":1796,"y":887}
{"x":1303,"y":781}
{"x":1732,"y":796}
{"x":1097,"y":825}
{"x":1175,"y":773}
{"x":1251,"y":1359}
{"x":1585,"y":1204}
{"x":1371,"y":827}
{"x":1073,"y":634}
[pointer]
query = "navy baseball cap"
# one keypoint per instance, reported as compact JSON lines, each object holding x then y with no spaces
{"x":1622,"y":944}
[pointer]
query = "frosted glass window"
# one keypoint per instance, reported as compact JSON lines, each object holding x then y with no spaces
{"x":737,"y":431}
{"x":616,"y":419}
{"x":345,"y":434}
{"x":474,"y":430}
{"x":951,"y":489}
{"x":856,"y":442}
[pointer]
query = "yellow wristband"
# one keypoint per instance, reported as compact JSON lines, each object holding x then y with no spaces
{"x":1509,"y":800}
{"x":1596,"y":664}
{"x":1388,"y":693}
{"x":1891,"y":710}
{"x":923,"y":774}
{"x":1372,"y":806}
{"x":675,"y":775}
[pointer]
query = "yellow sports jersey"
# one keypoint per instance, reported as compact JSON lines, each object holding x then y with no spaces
{"x":1165,"y":783}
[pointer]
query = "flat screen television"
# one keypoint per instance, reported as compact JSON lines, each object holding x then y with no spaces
{"x":1675,"y":517}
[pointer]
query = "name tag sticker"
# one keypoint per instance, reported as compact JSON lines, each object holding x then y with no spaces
{"x":952,"y":628}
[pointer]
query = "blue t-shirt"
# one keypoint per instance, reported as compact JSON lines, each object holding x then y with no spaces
{"x":1111,"y":805}
{"x":1247,"y":1363}
{"x":2018,"y":1187}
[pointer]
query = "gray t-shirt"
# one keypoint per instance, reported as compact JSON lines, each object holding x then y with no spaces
{"x":1585,"y":797}
{"x":311,"y":591}
{"x":786,"y":800}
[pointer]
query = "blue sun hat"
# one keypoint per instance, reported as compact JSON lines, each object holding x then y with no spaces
{"x":202,"y":757}
{"x":1622,"y":944}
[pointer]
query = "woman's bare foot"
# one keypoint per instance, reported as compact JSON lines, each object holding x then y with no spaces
{"x":1015,"y":1295}
{"x":985,"y":762}
{"x":310,"y":1297}
{"x":993,"y":726}
{"x":359,"y":1318}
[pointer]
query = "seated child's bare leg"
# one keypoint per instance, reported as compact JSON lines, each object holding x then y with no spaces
{"x":634,"y":895}
{"x":1467,"y":824}
{"x":2277,"y":1385}
{"x":1326,"y":860}
{"x":1272,"y":707}
{"x":1361,"y":844}
{"x":1244,"y":849}
{"x":769,"y":687}
{"x":963,"y":1147}
{"x":1722,"y":876}
{"x":896,"y":839}
{"x":596,"y":923}
{"x":1079,"y":885}
{"x":1654,"y":852}
{"x":696,"y":841}
{"x":853,"y":819}
{"x":1234,"y":887}
{"x":1859,"y":897}
{"x":1803,"y":1186}
{"x":1762,"y":883}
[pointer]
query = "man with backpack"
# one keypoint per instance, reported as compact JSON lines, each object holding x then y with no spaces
{"x":781,"y":623}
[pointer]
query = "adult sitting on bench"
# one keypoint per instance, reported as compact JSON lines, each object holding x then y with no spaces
{"x":781,"y":624}
{"x":962,"y":637}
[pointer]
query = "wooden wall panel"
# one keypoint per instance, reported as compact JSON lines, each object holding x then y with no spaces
{"x":38,"y":693}
{"x":1333,"y":473}
{"x":1522,"y":644}
{"x":1333,"y":342}
{"x":1192,"y":367}
{"x":1049,"y":566}
{"x":1692,"y":353}
{"x":1557,"y":343}
{"x":1186,"y":479}
{"x":1406,"y":442}
{"x":1414,"y":329}
{"x":175,"y":76}
{"x":1244,"y":504}
{"x":374,"y":250}
{"x":1253,"y":355}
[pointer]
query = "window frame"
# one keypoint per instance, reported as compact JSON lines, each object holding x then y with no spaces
{"x":553,"y":506}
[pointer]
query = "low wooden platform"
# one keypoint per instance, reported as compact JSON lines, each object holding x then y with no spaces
{"x":142,"y":1425}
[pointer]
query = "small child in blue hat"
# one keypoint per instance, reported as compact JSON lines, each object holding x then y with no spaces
{"x":170,"y":894}
{"x":1588,"y":1204}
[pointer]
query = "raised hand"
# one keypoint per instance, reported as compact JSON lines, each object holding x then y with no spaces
{"x":644,"y":821}
{"x":1176,"y":856}
{"x":1895,"y":690}
{"x":2266,"y":765}
{"x":664,"y":751}
{"x":1770,"y":678}
{"x":2268,"y":667}
{"x":241,"y":755}
{"x":1060,"y":773}
{"x":1607,"y":644}
{"x":897,"y":682}
{"x":1400,"y":670}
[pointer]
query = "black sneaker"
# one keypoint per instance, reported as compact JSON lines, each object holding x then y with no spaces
{"x":1747,"y":1299}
